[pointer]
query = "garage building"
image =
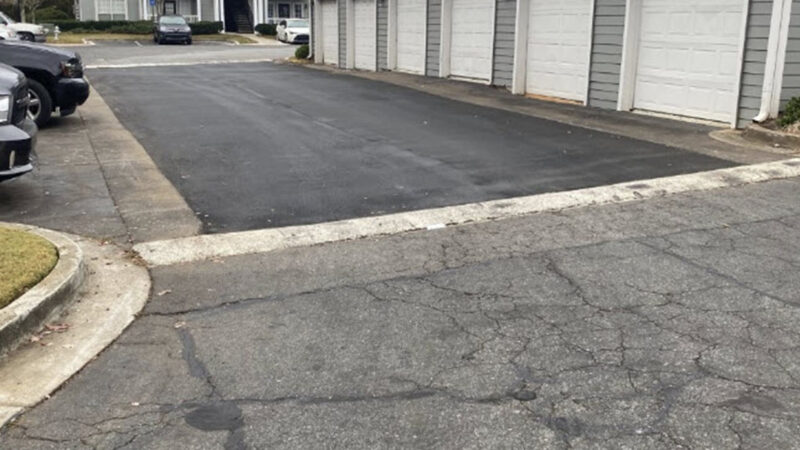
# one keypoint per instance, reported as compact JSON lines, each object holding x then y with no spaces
{"x":724,"y":61}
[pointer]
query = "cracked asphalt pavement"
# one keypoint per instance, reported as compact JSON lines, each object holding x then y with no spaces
{"x":667,"y":323}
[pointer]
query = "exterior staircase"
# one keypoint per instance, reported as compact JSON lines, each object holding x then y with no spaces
{"x":237,"y":16}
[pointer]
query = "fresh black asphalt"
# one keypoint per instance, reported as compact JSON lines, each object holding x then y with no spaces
{"x":266,"y":145}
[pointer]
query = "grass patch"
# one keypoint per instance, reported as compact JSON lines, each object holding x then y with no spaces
{"x":78,"y":38}
{"x":224,"y":37}
{"x":25,"y":259}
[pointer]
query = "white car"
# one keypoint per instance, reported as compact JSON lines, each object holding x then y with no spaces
{"x":293,"y":31}
{"x":7,"y":34}
{"x":25,"y":31}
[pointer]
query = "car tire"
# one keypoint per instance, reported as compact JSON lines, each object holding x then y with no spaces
{"x":189,"y":41}
{"x":26,"y":36}
{"x":39,"y":98}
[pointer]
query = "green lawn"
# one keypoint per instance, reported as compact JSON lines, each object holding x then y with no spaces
{"x":25,"y":259}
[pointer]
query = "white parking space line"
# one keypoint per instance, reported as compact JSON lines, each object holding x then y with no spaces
{"x":137,"y":43}
{"x":198,"y":248}
{"x":183,"y":63}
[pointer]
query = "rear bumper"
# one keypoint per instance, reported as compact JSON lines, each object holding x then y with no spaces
{"x":299,"y":39}
{"x":40,"y":37}
{"x":71,"y":92}
{"x":16,"y":148}
{"x":181,"y":37}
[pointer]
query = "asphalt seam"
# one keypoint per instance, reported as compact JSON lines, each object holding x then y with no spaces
{"x":199,"y":248}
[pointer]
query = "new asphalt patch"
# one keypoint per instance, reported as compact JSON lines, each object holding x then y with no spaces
{"x":262,"y":145}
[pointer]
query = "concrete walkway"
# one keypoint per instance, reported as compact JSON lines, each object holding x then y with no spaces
{"x":261,"y":40}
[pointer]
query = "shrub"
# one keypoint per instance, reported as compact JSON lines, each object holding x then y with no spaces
{"x":301,"y":52}
{"x":128,"y":27}
{"x":791,"y":114}
{"x":206,"y":27}
{"x":267,"y":29}
{"x":51,"y":13}
{"x":91,"y":25}
{"x":132,"y":28}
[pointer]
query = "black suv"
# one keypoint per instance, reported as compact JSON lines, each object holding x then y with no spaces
{"x":55,"y":77}
{"x":17,"y":130}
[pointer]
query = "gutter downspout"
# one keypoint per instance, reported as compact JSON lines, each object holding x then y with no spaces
{"x":776,"y":57}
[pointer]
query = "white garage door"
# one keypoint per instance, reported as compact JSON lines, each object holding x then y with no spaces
{"x":330,"y":32}
{"x":365,"y":36}
{"x":411,"y":36}
{"x":558,"y":48}
{"x":472,"y":39}
{"x":688,"y":57}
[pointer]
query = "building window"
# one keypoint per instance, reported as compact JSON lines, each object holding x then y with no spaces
{"x":298,"y":10}
{"x":111,"y":9}
{"x":271,"y":10}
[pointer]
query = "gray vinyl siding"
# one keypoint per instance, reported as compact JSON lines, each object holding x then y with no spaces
{"x":606,"y":58}
{"x":791,"y":71}
{"x":87,"y":10}
{"x":383,"y":33}
{"x":434,"y":38}
{"x":342,"y":5}
{"x":505,"y":22}
{"x":207,"y":10}
{"x":755,"y":58}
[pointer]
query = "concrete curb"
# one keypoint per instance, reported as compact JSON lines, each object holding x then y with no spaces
{"x":28,"y":313}
{"x":148,"y":203}
{"x":114,"y":290}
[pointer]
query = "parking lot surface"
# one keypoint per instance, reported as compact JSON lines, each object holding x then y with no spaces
{"x":145,"y":52}
{"x":263,"y":145}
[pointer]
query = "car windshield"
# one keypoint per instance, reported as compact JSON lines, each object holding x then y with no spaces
{"x":6,"y":19}
{"x":172,"y":20}
{"x":296,"y":24}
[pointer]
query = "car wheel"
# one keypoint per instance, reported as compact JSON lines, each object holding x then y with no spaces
{"x":26,"y":37}
{"x":41,"y":104}
{"x":189,"y":41}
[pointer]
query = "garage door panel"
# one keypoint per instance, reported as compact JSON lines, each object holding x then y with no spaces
{"x":411,"y":36}
{"x":472,"y":39}
{"x":365,"y":34}
{"x":558,"y":48}
{"x":330,"y":32}
{"x":688,"y":57}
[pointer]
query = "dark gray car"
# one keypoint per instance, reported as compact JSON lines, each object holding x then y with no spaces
{"x":55,"y":77}
{"x":172,"y":28}
{"x":17,"y":130}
